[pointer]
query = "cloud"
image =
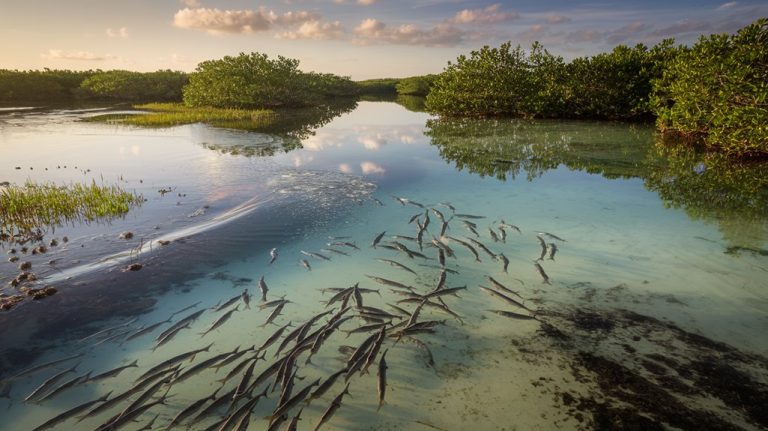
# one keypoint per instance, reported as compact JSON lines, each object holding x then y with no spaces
{"x":59,"y":54}
{"x":532,"y":33}
{"x":344,"y":167}
{"x":366,"y":2}
{"x":489,"y":15}
{"x":371,"y":168}
{"x":728,"y":5}
{"x":217,"y":21}
{"x":684,"y":26}
{"x":557,"y":19}
{"x":374,"y":31}
{"x":316,"y":30}
{"x":629,"y":32}
{"x":122,"y":33}
{"x":373,"y":143}
{"x":191,"y":3}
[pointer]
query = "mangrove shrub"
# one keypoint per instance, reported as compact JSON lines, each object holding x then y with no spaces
{"x":160,"y":86}
{"x":716,"y":93}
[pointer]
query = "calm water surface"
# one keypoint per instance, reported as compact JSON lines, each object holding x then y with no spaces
{"x":659,"y":272}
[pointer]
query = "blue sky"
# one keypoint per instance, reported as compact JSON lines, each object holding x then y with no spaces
{"x":358,"y":38}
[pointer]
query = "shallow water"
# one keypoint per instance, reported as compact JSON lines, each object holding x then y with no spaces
{"x":667,"y":236}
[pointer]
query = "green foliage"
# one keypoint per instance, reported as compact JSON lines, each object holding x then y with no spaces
{"x":415,"y":85}
{"x":26,"y":208}
{"x":123,"y":85}
{"x":172,"y":114}
{"x":378,"y":87}
{"x":40,"y":85}
{"x":616,"y":85}
{"x":254,"y":81}
{"x":716,"y":93}
{"x":499,"y":82}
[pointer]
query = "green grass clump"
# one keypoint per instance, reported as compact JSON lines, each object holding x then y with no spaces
{"x":26,"y":208}
{"x":173,"y":114}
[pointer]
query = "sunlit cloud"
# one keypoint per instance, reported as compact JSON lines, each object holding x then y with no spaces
{"x":728,"y":5}
{"x":366,"y":2}
{"x":372,"y":31}
{"x":489,"y":15}
{"x":60,"y":54}
{"x":217,"y":21}
{"x":407,"y":139}
{"x":371,"y":168}
{"x":557,"y":19}
{"x":316,"y":30}
{"x":191,"y":3}
{"x":121,"y":33}
{"x":344,"y":167}
{"x":372,"y":143}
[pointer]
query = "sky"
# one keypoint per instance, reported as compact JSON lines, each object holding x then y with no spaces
{"x":362,"y":39}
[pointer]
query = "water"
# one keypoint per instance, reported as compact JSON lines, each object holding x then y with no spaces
{"x":662,"y":260}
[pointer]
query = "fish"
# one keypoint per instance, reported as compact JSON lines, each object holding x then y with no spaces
{"x":552,"y":250}
{"x":242,"y":387}
{"x":130,"y":416}
{"x":387,"y":282}
{"x":336,"y":238}
{"x":443,"y":292}
{"x":377,"y":239}
{"x":549,"y":235}
{"x":544,"y":276}
{"x":343,"y":244}
{"x":272,"y":256}
{"x":186,"y":321}
{"x":46,"y":385}
{"x":500,"y":286}
{"x":543,"y":247}
{"x":332,"y":250}
{"x":263,"y":288}
{"x":215,"y":405}
{"x":493,"y":235}
{"x":504,"y":262}
{"x":274,"y":303}
{"x":74,"y":411}
{"x":402,"y":201}
{"x":294,"y":423}
{"x":467,"y":245}
{"x":323,"y":388}
{"x":397,"y":265}
{"x":236,"y":370}
{"x":360,"y":354}
{"x":315,"y":255}
{"x":150,"y":424}
{"x":108,"y":330}
{"x":246,"y":299}
{"x":382,"y":381}
{"x":293,"y":401}
{"x":169,"y":336}
{"x":414,"y":217}
{"x":378,"y":202}
{"x":469,"y":216}
{"x":66,"y":385}
{"x":189,"y":307}
{"x":306,"y":264}
{"x":503,"y":234}
{"x":113,"y":372}
{"x":370,"y":358}
{"x":235,"y":419}
{"x":441,"y":257}
{"x":195,"y":369}
{"x":174,"y":360}
{"x":44,"y":366}
{"x":273,"y":338}
{"x":335,"y":405}
{"x":146,"y":330}
{"x":190,"y":410}
{"x":504,"y":297}
{"x":438,"y":214}
{"x":444,"y":227}
{"x":232,"y":357}
{"x":426,"y":221}
{"x":502,"y":223}
{"x":228,"y":302}
{"x":422,"y":345}
{"x":448,"y":205}
{"x":220,"y":321}
{"x":276,"y":312}
{"x":111,"y":338}
{"x":147,"y":394}
{"x":482,"y":246}
{"x":513,"y":315}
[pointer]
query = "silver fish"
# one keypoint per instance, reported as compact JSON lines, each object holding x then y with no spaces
{"x":513,"y":315}
{"x":397,"y":265}
{"x":504,"y":261}
{"x":66,"y":385}
{"x":493,"y":235}
{"x":220,"y":321}
{"x":44,"y":366}
{"x":382,"y":381}
{"x":46,"y":385}
{"x":315,"y":255}
{"x":502,"y":223}
{"x":335,"y":405}
{"x":543,"y":247}
{"x":263,"y":288}
{"x":377,"y":239}
{"x":273,"y":256}
{"x":469,"y":216}
{"x":306,"y":264}
{"x":332,"y":250}
{"x":146,"y":330}
{"x":113,"y":372}
{"x":71,"y":413}
{"x":549,"y":235}
{"x":552,"y":250}
{"x":544,"y":276}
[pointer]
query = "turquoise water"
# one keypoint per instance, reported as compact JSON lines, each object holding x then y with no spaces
{"x":663,"y":235}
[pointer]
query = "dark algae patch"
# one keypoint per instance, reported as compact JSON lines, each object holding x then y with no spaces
{"x":647,"y":374}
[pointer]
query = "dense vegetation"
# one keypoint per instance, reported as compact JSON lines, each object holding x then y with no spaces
{"x":26,"y":208}
{"x":66,"y":86}
{"x":255,"y":81}
{"x":717,"y":92}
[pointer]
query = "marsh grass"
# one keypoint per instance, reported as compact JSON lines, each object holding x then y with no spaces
{"x":173,"y":114}
{"x":32,"y":206}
